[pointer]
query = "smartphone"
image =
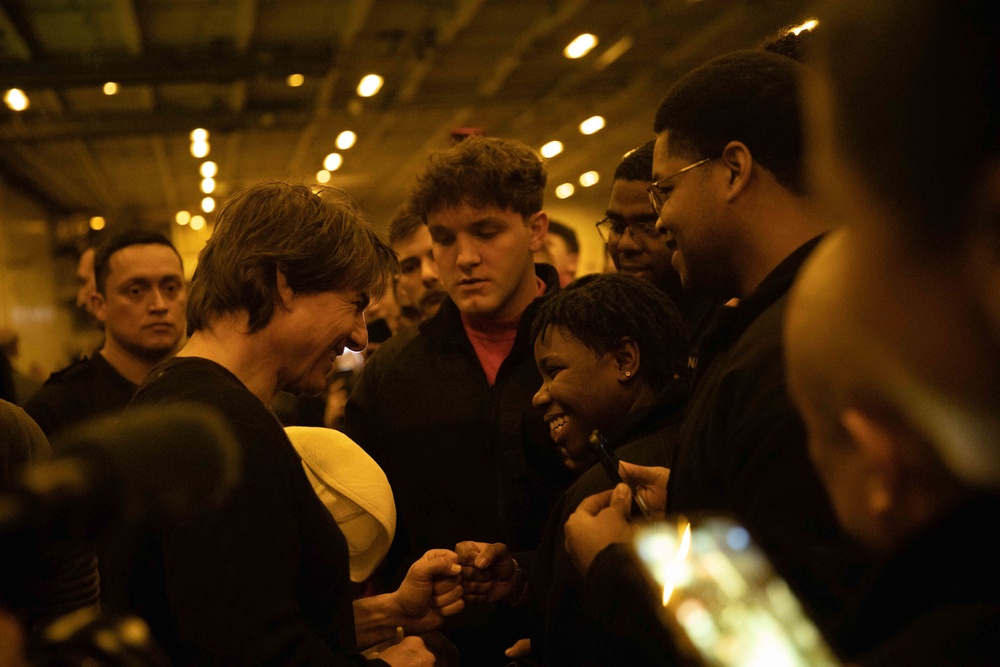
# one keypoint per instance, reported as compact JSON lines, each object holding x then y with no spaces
{"x":609,"y":462}
{"x":722,"y":600}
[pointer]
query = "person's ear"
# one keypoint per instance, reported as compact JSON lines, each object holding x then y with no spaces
{"x":738,"y":161}
{"x":627,"y":359}
{"x":877,"y":442}
{"x":98,"y":306}
{"x":285,"y":293}
{"x":538,"y":225}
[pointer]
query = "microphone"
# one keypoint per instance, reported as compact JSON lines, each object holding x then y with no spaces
{"x":153,"y":465}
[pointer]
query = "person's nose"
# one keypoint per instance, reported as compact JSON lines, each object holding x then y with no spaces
{"x":468,"y":255}
{"x":157,"y":303}
{"x":541,"y":397}
{"x":429,"y":272}
{"x":358,"y":340}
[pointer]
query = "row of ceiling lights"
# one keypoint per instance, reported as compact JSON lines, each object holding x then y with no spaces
{"x":579,"y":47}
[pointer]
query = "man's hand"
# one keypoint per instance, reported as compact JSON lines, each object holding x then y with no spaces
{"x":599,"y":520}
{"x":410,"y":652}
{"x":489,"y":573}
{"x":431,"y":590}
{"x":650,"y":483}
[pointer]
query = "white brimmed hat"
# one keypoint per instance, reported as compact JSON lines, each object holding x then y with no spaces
{"x":355,"y":491}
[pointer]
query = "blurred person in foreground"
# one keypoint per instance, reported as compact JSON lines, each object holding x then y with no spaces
{"x":279,"y":293}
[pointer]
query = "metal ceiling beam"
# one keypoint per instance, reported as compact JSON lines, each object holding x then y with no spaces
{"x":188,"y":66}
{"x":141,"y":124}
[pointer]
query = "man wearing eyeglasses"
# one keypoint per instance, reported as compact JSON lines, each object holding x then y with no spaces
{"x":636,"y":246}
{"x":729,"y":193}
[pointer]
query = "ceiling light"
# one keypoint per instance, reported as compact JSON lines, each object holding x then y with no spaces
{"x":199,"y":149}
{"x":565,"y":190}
{"x":805,"y":27}
{"x":591,"y":125}
{"x":345,"y":140}
{"x":369,"y":85}
{"x":110,"y":88}
{"x":182,"y":218}
{"x":208,"y":204}
{"x":589,"y":178}
{"x":197,"y":222}
{"x":208,"y":185}
{"x":16,"y":99}
{"x":551,"y":149}
{"x":322,"y":176}
{"x":97,"y":223}
{"x":332,"y":162}
{"x":580,"y":46}
{"x":208,"y":169}
{"x":199,"y":135}
{"x":295,"y":80}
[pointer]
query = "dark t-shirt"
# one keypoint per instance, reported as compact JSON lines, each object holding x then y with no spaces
{"x":261,"y":579}
{"x":85,"y":389}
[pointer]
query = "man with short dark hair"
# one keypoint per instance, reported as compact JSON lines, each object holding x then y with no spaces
{"x":418,"y":286}
{"x":139,"y":298}
{"x":561,"y":249}
{"x":729,"y":191}
{"x":446,"y":410}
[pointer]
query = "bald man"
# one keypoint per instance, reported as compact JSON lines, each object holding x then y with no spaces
{"x":895,"y":454}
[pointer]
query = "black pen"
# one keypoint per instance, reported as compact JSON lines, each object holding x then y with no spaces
{"x":610,"y":464}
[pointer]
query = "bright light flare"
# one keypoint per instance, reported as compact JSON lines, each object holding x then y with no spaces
{"x":111,"y":88}
{"x":199,"y":135}
{"x":197,"y":222}
{"x":208,"y":169}
{"x":565,"y":190}
{"x":551,"y":149}
{"x":295,"y":80}
{"x":580,"y":46}
{"x":15,"y":99}
{"x":345,"y":140}
{"x":333,"y":161}
{"x":208,"y":185}
{"x":97,"y":223}
{"x":208,"y":204}
{"x":589,"y":178}
{"x":323,"y":176}
{"x":805,"y":27}
{"x":200,"y":149}
{"x":592,"y":124}
{"x":370,"y":85}
{"x":182,"y":218}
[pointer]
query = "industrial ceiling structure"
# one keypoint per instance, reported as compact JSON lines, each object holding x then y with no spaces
{"x":230,"y":67}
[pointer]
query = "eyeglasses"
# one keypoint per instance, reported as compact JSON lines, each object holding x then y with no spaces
{"x":658,"y":196}
{"x":612,"y":228}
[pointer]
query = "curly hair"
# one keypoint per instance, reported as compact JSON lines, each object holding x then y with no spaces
{"x":318,"y":240}
{"x":482,"y":172}
{"x":747,"y":96}
{"x":637,"y":164}
{"x":601,"y":310}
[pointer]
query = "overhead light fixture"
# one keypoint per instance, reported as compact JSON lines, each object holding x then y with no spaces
{"x":197,"y":222}
{"x":97,"y":223}
{"x":295,"y":80}
{"x":199,"y":135}
{"x":15,"y":99}
{"x":111,"y":88}
{"x":333,"y":161}
{"x":565,"y":190}
{"x":551,"y":149}
{"x":370,"y":85}
{"x":208,"y":204}
{"x":182,"y":218}
{"x":199,"y":149}
{"x":208,"y":169}
{"x":208,"y":185}
{"x":323,"y":176}
{"x":591,"y":125}
{"x":805,"y":27}
{"x":589,"y":178}
{"x":345,"y":140}
{"x":580,"y":46}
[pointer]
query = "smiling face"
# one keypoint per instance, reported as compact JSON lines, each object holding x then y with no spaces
{"x":143,"y":301}
{"x":484,"y":258}
{"x":321,"y":326}
{"x":693,"y":218}
{"x":580,"y":392}
{"x":643,"y":254}
{"x":419,"y":285}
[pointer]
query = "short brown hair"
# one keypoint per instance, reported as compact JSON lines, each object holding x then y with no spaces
{"x":403,"y":223}
{"x":317,"y":239}
{"x":481,"y":172}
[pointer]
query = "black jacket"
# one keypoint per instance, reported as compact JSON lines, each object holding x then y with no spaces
{"x":84,"y":389}
{"x":935,"y":601}
{"x":466,"y":460}
{"x":743,"y":452}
